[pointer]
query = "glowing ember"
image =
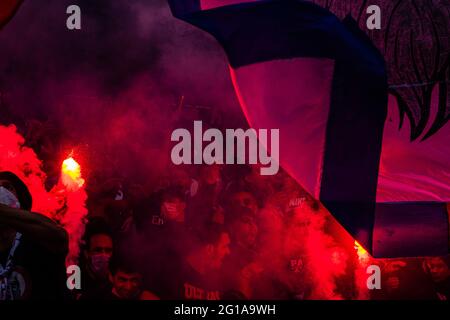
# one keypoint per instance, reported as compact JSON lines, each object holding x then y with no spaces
{"x":362,"y":253}
{"x":71,"y":174}
{"x":359,"y":249}
{"x":70,"y":165}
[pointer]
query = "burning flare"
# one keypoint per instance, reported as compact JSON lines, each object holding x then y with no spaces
{"x":362,"y":253}
{"x":74,"y":196}
{"x":361,"y":271}
{"x":71,"y":174}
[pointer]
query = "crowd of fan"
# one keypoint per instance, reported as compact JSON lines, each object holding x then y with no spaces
{"x":229,"y":233}
{"x":200,"y":232}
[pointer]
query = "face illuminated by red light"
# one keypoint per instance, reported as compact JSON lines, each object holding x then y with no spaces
{"x":219,"y":251}
{"x":245,"y":200}
{"x":438,"y":269}
{"x":173,"y":209}
{"x":126,"y":286}
{"x":245,"y":231}
{"x":99,"y":253}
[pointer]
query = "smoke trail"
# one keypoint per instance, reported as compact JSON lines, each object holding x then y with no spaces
{"x":323,"y":257}
{"x":23,"y":161}
{"x":64,"y":203}
{"x":306,"y":252}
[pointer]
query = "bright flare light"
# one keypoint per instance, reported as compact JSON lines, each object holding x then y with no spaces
{"x":71,"y":174}
{"x":362,"y":253}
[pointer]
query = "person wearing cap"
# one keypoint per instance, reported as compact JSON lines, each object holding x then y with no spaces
{"x":33,"y":248}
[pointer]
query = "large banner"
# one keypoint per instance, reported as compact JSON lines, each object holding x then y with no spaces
{"x":324,"y":83}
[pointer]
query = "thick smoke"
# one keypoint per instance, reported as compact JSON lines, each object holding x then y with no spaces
{"x":113,"y":93}
{"x":62,"y":204}
{"x":322,"y":261}
{"x":115,"y":83}
{"x":110,"y":92}
{"x":24,"y":162}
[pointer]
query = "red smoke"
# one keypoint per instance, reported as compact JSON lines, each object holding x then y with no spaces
{"x":65,"y":203}
{"x":323,"y":264}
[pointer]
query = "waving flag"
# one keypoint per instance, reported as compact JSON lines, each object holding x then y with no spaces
{"x":322,"y":82}
{"x":7,"y":10}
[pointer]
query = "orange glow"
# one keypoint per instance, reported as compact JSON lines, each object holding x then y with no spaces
{"x":359,"y":248}
{"x":362,"y":253}
{"x":71,"y":174}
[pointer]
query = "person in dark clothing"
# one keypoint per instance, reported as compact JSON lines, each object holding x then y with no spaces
{"x":198,"y":276}
{"x":97,"y":253}
{"x":242,"y":198}
{"x":242,"y":227}
{"x":33,"y":248}
{"x":204,"y":205}
{"x":127,"y":282}
{"x":439,"y":271}
{"x":160,"y":235}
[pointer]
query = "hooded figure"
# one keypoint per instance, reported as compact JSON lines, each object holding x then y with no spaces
{"x":32,"y":247}
{"x":21,"y":191}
